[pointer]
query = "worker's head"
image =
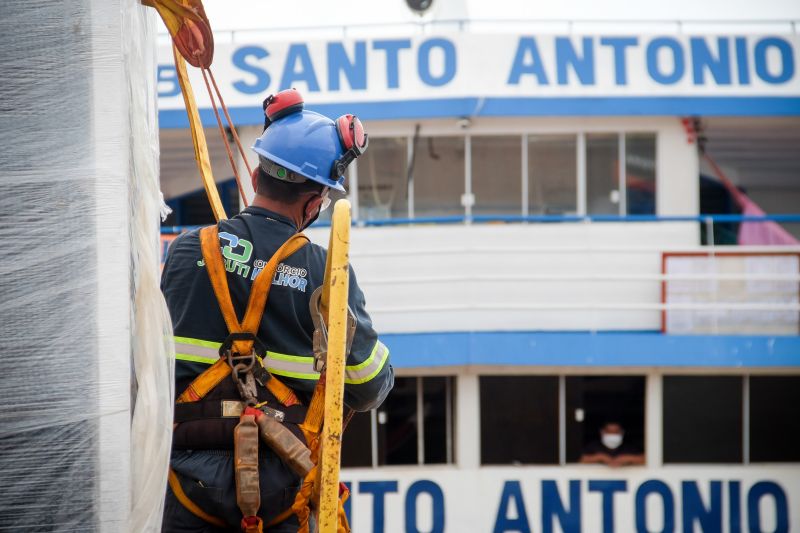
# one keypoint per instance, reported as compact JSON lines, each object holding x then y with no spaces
{"x":611,"y":435}
{"x":302,"y":154}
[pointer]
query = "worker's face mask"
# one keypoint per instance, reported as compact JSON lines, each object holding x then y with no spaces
{"x":326,"y":202}
{"x":611,"y":441}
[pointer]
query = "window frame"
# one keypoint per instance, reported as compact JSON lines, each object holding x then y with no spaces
{"x":467,"y":194}
{"x":450,"y":381}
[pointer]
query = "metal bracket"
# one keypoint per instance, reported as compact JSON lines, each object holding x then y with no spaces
{"x":320,"y":341}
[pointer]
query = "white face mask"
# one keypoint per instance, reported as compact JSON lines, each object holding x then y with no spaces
{"x":611,"y":440}
{"x":326,"y":201}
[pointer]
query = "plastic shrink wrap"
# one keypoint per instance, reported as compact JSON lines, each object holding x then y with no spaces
{"x":85,"y":363}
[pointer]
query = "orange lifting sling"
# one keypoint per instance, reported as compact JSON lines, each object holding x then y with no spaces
{"x":213,"y":376}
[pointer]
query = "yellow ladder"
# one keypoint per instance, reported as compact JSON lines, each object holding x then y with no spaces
{"x":334,"y":306}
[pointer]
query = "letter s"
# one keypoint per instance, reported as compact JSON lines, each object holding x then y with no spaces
{"x":240,"y":61}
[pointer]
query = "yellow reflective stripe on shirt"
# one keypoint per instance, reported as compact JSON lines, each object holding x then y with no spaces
{"x":369,"y":368}
{"x":291,"y":366}
{"x":196,"y":350}
{"x":280,"y":364}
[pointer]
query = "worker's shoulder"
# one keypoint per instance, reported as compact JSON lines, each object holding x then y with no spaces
{"x":186,"y":240}
{"x":314,"y":253}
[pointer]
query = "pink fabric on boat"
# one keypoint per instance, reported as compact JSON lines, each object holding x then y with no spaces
{"x":753,"y":233}
{"x":757,"y":233}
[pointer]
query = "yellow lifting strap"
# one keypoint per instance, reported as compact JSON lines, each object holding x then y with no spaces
{"x":193,"y":41}
{"x":198,"y":137}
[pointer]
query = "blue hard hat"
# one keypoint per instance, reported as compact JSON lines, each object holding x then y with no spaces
{"x":304,"y":143}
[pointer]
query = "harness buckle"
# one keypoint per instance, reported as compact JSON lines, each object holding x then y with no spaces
{"x":243,"y":365}
{"x":246,"y":385}
{"x":258,"y":346}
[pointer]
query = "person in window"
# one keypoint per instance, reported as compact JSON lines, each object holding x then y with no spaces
{"x":612,"y":449}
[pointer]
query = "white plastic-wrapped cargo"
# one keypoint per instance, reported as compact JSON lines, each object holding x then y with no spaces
{"x":85,"y":362}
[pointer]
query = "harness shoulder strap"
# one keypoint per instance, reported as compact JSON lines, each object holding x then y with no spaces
{"x":209,"y":379}
{"x":259,"y":291}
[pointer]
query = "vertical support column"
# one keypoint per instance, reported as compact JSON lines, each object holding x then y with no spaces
{"x":623,"y":176}
{"x":677,"y":168}
{"x":448,"y":418}
{"x":468,"y":425}
{"x":409,"y":160}
{"x":581,"y":168}
{"x":746,"y":419}
{"x":467,"y":200}
{"x":526,"y":209}
{"x":562,"y":420}
{"x":653,"y":420}
{"x":420,"y":423}
{"x":373,"y":436}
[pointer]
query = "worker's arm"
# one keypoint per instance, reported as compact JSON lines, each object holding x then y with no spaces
{"x":596,"y":458}
{"x":629,"y":459}
{"x":368,"y":376}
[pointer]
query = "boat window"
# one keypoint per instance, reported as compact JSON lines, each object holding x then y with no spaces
{"x":397,"y":424}
{"x":774,"y":418}
{"x":357,"y":441}
{"x":598,"y":407}
{"x":602,"y":174}
{"x":640,"y":173}
{"x":413,"y":426}
{"x":496,"y":171}
{"x":552,"y":174}
{"x":383,"y":179}
{"x":436,"y":416}
{"x":702,"y":419}
{"x":438,"y":176}
{"x":519,"y":419}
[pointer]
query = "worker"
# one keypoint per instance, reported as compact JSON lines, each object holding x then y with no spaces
{"x":302,"y":157}
{"x":612,"y":448}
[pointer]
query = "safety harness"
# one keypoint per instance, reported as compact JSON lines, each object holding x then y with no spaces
{"x":267,"y":409}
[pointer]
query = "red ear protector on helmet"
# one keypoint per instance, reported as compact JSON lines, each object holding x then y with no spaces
{"x":354,"y":141}
{"x":280,"y":105}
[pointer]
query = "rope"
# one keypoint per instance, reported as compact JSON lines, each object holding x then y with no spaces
{"x":223,"y":136}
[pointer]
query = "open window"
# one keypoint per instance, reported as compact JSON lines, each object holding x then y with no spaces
{"x":702,"y":419}
{"x":519,"y":420}
{"x":597,"y":406}
{"x":413,"y":426}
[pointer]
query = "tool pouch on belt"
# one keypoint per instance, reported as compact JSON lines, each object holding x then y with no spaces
{"x":245,"y":456}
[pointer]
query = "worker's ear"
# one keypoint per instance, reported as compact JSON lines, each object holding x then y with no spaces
{"x":254,"y":180}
